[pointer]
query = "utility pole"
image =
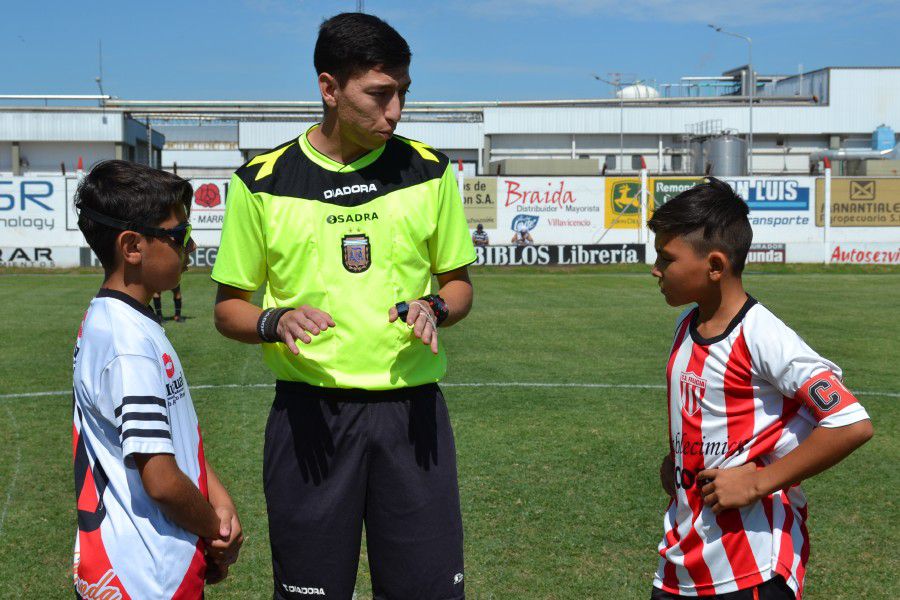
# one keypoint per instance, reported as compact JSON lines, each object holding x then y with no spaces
{"x":616,"y":82}
{"x":751,"y":83}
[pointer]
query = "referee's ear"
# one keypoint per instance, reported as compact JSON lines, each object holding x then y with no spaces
{"x":328,"y":87}
{"x":128,"y":245}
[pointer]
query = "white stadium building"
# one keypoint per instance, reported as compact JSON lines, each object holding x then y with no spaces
{"x":582,"y":175}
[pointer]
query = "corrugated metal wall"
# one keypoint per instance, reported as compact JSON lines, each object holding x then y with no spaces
{"x":60,"y":126}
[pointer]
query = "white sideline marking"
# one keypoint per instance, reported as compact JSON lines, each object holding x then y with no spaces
{"x":15,"y":473}
{"x":526,"y":384}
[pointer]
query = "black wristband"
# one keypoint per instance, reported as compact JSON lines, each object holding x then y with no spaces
{"x":438,"y":307}
{"x":267,"y":325}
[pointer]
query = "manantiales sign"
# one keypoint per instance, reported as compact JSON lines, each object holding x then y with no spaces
{"x":860,"y":202}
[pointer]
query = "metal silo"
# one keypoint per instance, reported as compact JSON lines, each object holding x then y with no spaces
{"x":727,"y":154}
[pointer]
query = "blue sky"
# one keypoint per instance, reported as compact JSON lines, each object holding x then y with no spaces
{"x":490,"y":50}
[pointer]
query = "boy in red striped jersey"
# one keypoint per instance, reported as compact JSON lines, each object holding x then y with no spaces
{"x":753,"y":411}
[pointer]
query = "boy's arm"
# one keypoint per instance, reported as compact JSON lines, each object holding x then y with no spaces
{"x":224,"y":551}
{"x":798,"y":372}
{"x":178,"y":496}
{"x":667,"y":475}
{"x":824,"y":448}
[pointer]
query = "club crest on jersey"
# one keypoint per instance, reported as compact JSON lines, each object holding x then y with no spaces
{"x":693,"y":389}
{"x":357,"y":256}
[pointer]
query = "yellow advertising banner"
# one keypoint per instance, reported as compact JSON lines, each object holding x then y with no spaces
{"x":623,"y":198}
{"x":870,"y":202}
{"x":480,"y":201}
{"x":623,"y":203}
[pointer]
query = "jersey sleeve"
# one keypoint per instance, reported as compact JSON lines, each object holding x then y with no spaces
{"x":133,"y":388}
{"x":450,"y":247}
{"x":787,"y":362}
{"x":241,"y":260}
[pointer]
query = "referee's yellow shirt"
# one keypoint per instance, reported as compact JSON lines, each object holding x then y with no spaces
{"x":351,"y":240}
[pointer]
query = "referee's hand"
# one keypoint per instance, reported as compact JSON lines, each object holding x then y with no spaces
{"x":423,"y":321}
{"x":300,"y":324}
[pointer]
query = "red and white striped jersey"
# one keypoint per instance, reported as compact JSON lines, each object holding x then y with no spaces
{"x":751,"y":394}
{"x":130,"y":396}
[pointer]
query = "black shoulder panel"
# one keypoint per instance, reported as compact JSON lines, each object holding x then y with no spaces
{"x":259,"y":172}
{"x":287,"y":171}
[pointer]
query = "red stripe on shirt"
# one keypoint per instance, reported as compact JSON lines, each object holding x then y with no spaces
{"x":691,"y":431}
{"x":739,"y":411}
{"x":191,"y":587}
{"x":786,"y":550}
{"x":94,"y":575}
{"x":670,"y":578}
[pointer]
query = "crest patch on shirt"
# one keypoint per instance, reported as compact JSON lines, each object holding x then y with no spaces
{"x":693,"y":388}
{"x":357,"y":255}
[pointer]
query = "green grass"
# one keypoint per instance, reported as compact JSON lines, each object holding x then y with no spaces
{"x":559,"y":487}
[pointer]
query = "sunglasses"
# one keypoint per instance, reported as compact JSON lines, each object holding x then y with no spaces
{"x":180,"y":234}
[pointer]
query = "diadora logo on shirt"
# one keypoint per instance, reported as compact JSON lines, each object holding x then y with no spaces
{"x":303,"y":591}
{"x":169,"y":365}
{"x":350,"y":189}
{"x":693,"y":389}
{"x":354,"y":218}
{"x":457,"y":579}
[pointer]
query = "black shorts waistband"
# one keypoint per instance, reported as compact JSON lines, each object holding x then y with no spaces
{"x":306,"y":391}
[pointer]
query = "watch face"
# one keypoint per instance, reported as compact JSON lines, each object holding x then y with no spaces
{"x":402,"y":310}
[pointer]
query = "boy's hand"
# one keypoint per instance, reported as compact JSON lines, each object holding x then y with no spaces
{"x":225,"y":549}
{"x":729,"y":488}
{"x":667,"y":475}
{"x":215,"y":572}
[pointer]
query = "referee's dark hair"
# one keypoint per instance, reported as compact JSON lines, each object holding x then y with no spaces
{"x":710,"y":216}
{"x":352,"y":42}
{"x":129,"y":192}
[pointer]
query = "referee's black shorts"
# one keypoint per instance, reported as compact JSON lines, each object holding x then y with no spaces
{"x":335,"y":459}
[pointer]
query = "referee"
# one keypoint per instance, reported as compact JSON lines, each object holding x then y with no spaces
{"x":346,"y":225}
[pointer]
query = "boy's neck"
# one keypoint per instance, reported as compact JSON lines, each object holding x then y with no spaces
{"x":720,"y":306}
{"x":328,"y":139}
{"x":119,"y":282}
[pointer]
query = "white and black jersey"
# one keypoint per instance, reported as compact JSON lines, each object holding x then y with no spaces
{"x":131,"y":397}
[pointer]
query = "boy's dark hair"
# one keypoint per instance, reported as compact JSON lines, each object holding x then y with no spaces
{"x":710,"y":216}
{"x":352,"y":42}
{"x":129,"y":192}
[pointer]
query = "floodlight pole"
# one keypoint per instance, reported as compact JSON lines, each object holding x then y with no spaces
{"x":617,"y":84}
{"x":751,"y":80}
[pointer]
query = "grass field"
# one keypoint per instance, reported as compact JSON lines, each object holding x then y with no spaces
{"x":559,"y":483}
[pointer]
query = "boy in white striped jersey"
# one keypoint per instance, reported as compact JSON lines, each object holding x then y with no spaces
{"x":752,"y":409}
{"x":154,"y":521}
